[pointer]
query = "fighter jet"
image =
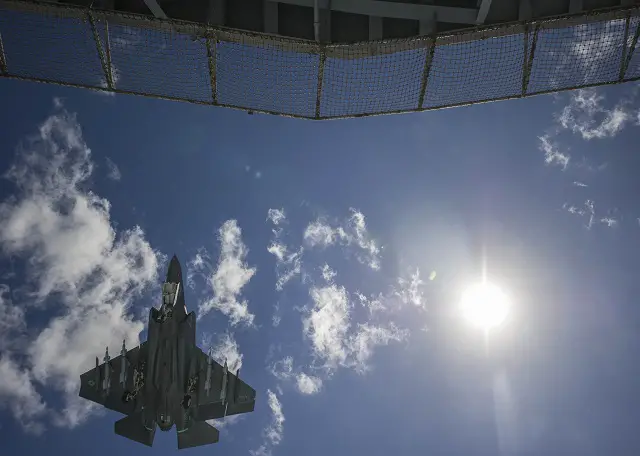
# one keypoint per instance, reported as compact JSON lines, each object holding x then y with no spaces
{"x":168,"y":380}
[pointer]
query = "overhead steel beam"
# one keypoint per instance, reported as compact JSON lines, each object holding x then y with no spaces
{"x":575,"y":6}
{"x":428,"y":26}
{"x":525,"y":12}
{"x":483,"y":11}
{"x":155,"y":8}
{"x":270,"y":17}
{"x":216,"y":12}
{"x":375,"y":28}
{"x":397,"y":10}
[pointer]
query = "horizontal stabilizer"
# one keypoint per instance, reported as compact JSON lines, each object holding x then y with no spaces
{"x":199,"y":433}
{"x":211,"y":411}
{"x":132,"y":428}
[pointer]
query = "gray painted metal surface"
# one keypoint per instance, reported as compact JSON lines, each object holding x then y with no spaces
{"x":167,"y":380}
{"x":122,"y":52}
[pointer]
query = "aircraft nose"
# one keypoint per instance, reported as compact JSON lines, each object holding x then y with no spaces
{"x":174,"y":273}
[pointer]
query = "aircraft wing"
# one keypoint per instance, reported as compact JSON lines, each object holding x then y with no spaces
{"x":224,"y":398}
{"x":93,"y":386}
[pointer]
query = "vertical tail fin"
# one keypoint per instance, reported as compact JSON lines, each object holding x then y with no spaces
{"x":132,"y":427}
{"x":199,"y":433}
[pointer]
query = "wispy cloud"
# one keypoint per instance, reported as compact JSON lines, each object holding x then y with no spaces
{"x":18,"y":393}
{"x":223,"y":424}
{"x":113,"y":172}
{"x":410,"y":290}
{"x":274,"y":432}
{"x":304,"y":383}
{"x":308,"y":384}
{"x":552,"y":156}
{"x":225,"y":349}
{"x":609,"y":221}
{"x":229,"y":277}
{"x":77,"y":266}
{"x":587,"y":115}
{"x":288,"y":263}
{"x":276,"y":216}
{"x":586,"y":210}
{"x":353,"y":232}
{"x":334,"y":340}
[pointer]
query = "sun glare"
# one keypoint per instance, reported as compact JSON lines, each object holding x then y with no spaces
{"x":485,"y":305}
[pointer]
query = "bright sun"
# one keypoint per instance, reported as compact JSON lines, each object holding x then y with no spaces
{"x":485,"y":305}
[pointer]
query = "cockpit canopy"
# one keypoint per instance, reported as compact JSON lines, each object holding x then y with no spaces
{"x":170,"y":293}
{"x":164,"y":421}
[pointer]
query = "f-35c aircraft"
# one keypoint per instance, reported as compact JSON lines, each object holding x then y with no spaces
{"x":168,"y":380}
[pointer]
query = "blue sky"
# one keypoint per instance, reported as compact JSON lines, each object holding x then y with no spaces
{"x":310,"y":248}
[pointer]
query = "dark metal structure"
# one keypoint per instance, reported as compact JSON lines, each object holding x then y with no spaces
{"x":345,"y":21}
{"x":321,"y":59}
{"x":168,"y":380}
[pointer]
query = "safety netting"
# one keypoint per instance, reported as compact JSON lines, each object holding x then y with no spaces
{"x":118,"y":52}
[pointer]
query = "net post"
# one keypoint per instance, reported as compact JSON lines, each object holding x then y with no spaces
{"x":428,"y":60}
{"x":323,"y":58}
{"x":623,"y":58}
{"x":110,"y":80}
{"x":527,"y":62}
{"x":101,"y":54}
{"x":211,"y":40}
{"x":627,"y":55}
{"x":3,"y":59}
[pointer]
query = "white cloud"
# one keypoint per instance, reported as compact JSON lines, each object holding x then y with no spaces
{"x":373,"y":304}
{"x":321,"y":234}
{"x":17,"y":391}
{"x":327,"y":325}
{"x":276,"y":318}
{"x":230,"y":276}
{"x":282,"y":369}
{"x":328,"y":274}
{"x":77,"y":266}
{"x":273,"y":433}
{"x":288,"y":264}
{"x":308,"y":384}
{"x":579,"y":184}
{"x":277,"y":216}
{"x":198,"y":266}
{"x":113,"y":172}
{"x":367,"y":337}
{"x":318,"y":233}
{"x":362,"y":239}
{"x":305,"y":383}
{"x":551,"y":153}
{"x":609,"y":221}
{"x":225,"y":423}
{"x":410,"y":290}
{"x":586,"y":210}
{"x":226,"y":349}
{"x":587,"y":116}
